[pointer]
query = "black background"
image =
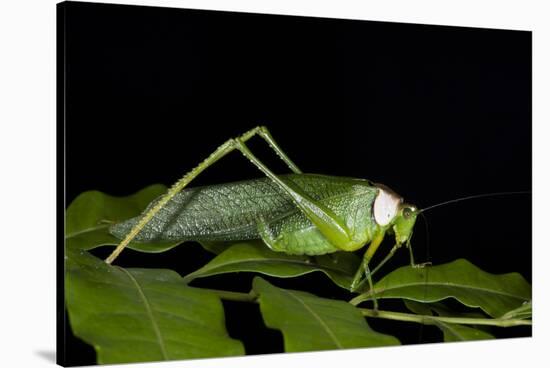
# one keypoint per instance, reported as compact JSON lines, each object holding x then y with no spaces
{"x":433,"y":112}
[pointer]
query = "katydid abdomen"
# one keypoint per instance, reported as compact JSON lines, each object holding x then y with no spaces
{"x":259,"y":208}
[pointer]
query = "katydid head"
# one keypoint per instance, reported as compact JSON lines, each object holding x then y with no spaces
{"x":404,"y":221}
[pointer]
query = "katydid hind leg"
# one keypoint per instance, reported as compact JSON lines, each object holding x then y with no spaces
{"x":333,"y":228}
{"x":227,"y":147}
{"x":266,"y":135}
{"x":279,"y":235}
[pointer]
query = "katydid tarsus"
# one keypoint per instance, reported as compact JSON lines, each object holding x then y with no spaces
{"x":295,"y":213}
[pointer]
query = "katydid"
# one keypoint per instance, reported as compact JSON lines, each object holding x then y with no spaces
{"x":295,"y":213}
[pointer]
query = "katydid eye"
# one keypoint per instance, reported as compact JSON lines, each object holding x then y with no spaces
{"x":407,"y":212}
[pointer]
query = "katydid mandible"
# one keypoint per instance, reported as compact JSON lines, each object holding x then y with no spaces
{"x":295,"y":213}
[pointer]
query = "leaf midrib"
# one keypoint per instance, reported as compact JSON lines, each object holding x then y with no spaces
{"x":149,"y":312}
{"x":86,"y":230}
{"x":318,"y":318}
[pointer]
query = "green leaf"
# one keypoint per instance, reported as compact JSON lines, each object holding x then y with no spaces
{"x":422,"y":309}
{"x":473,"y":287}
{"x":90,"y":215}
{"x":215,"y":247}
{"x":136,"y":315}
{"x":454,"y":332}
{"x":254,"y":256}
{"x":310,"y":323}
{"x":451,"y":331}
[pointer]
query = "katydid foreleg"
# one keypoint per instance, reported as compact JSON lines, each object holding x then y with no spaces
{"x":417,"y":265}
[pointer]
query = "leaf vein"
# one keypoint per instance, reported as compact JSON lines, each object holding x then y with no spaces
{"x":318,"y":318}
{"x":149,"y":313}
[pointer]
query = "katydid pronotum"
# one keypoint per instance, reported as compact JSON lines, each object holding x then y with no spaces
{"x":295,"y":213}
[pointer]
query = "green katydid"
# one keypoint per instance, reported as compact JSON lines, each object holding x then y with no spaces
{"x":295,"y":213}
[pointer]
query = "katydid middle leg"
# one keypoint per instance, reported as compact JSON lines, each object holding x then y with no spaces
{"x":364,"y":267}
{"x":378,"y":266}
